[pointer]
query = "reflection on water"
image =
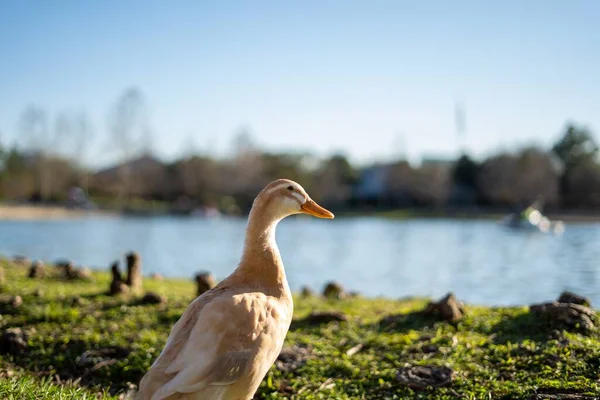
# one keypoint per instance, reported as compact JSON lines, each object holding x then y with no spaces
{"x":480,"y":261}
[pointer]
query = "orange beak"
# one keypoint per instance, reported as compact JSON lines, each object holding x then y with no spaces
{"x":312,"y":208}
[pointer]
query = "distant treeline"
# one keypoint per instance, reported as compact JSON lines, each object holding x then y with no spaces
{"x":52,"y":152}
{"x":567,"y":177}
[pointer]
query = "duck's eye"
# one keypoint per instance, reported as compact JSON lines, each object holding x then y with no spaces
{"x":290,"y":188}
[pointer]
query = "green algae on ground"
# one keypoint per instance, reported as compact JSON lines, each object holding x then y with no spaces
{"x":98,"y":346}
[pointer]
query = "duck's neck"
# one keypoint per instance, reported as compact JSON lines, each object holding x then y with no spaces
{"x":261,"y":263}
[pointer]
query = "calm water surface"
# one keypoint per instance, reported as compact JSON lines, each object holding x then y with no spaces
{"x":480,"y":261}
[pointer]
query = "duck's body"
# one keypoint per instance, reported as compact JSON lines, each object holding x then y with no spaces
{"x":225,"y":360}
{"x":223,"y":345}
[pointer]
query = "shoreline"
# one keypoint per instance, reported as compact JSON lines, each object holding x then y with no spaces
{"x":26,"y":212}
{"x":10,"y":212}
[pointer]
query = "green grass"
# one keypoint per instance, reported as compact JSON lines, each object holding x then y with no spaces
{"x":499,"y":353}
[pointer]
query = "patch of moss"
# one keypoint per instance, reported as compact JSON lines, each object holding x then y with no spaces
{"x":98,"y":346}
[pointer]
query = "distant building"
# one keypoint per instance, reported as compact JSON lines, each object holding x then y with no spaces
{"x":135,"y":166}
{"x":459,"y":195}
{"x":372,"y":182}
{"x":437,"y":162}
{"x":383,"y":186}
{"x":139,"y":177}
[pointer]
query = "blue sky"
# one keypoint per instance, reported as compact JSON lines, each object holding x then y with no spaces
{"x":322,"y":76}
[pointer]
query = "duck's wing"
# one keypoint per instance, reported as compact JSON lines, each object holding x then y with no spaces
{"x":210,"y":345}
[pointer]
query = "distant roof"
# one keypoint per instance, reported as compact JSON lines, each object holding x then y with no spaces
{"x":144,"y":162}
{"x":437,"y":161}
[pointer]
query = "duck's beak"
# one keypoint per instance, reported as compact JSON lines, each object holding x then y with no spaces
{"x":312,"y":208}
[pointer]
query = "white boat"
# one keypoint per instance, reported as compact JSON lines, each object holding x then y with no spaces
{"x":534,"y":220}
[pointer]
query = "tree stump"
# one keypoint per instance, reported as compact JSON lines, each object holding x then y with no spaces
{"x":84,"y":274}
{"x":20,"y":260}
{"x":567,"y":315}
{"x":2,"y":276}
{"x":204,"y":282}
{"x":153,"y":298}
{"x":573,"y":298}
{"x":134,"y":272}
{"x":77,"y":301}
{"x":117,"y":286}
{"x":306,"y":292}
{"x":156,"y":276}
{"x":448,"y":308}
{"x":36,"y":271}
{"x":16,"y":301}
{"x":334,"y":290}
{"x":68,"y":270}
{"x":324,"y":317}
{"x":13,"y":341}
{"x":423,"y":377}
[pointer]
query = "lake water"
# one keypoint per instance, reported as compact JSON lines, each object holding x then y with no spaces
{"x":482,"y":262}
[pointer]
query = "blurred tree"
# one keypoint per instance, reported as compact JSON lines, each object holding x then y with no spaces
{"x":398,"y":182}
{"x":512,"y":179}
{"x":576,"y":146}
{"x":244,"y":173}
{"x":582,"y":183}
{"x":431,"y":185}
{"x":288,"y":166}
{"x":465,"y":190}
{"x":578,"y":153}
{"x":129,"y":127}
{"x":243,"y":142}
{"x":334,"y":180}
{"x":465,"y":172}
{"x":197,"y":178}
{"x":33,"y":129}
{"x":12,"y":161}
{"x":3,"y":156}
{"x":77,"y":131}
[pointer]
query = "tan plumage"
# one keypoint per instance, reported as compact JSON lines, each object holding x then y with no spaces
{"x":228,"y":338}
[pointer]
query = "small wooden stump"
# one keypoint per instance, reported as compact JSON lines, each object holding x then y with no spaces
{"x":2,"y":276}
{"x":62,"y":262}
{"x":204,"y":282}
{"x":36,"y":271}
{"x":117,"y":286}
{"x":16,"y":301}
{"x":448,"y":308}
{"x":306,"y":292}
{"x":334,"y":290}
{"x":68,"y":269}
{"x":325,"y":317}
{"x":156,"y":276}
{"x":84,"y":274}
{"x":567,"y":314}
{"x":77,"y":301}
{"x":20,"y":260}
{"x":134,"y":272}
{"x":424,"y":377}
{"x":572,"y":298}
{"x":153,"y":298}
{"x":13,"y":341}
{"x":293,"y":357}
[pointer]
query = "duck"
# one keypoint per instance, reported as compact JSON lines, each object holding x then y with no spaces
{"x":227,"y":339}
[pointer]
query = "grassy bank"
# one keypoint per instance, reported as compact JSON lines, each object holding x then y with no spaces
{"x":81,"y":344}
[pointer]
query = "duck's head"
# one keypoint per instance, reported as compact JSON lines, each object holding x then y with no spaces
{"x":284,"y":197}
